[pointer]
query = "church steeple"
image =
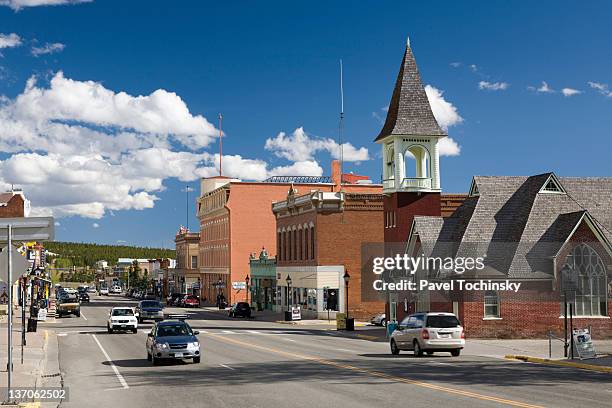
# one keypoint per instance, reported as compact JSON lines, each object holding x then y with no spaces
{"x":409,"y":111}
{"x":410,"y":132}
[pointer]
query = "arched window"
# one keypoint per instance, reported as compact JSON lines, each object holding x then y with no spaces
{"x":417,"y":156}
{"x":586,"y":272}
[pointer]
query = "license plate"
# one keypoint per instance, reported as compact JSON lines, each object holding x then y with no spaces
{"x":445,"y":336}
{"x":178,"y":354}
{"x":123,"y":325}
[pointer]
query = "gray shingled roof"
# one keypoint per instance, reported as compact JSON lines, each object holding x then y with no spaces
{"x":518,"y":228}
{"x":409,"y":111}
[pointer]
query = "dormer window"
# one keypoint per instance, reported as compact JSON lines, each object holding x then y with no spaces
{"x":552,"y":185}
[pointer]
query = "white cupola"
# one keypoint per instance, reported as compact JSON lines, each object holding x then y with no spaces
{"x":410,"y":135}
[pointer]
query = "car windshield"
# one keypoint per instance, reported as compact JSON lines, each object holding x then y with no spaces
{"x":123,"y":312}
{"x":174,"y":330}
{"x":442,"y":321}
{"x":151,"y":303}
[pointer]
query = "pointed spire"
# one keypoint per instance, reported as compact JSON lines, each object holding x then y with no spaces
{"x":409,"y":111}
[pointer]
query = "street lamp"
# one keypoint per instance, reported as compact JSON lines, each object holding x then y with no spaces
{"x":247,"y":280}
{"x":346,"y":278}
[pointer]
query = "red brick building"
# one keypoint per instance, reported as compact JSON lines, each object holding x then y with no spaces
{"x":13,"y":204}
{"x":236,"y":220}
{"x":319,"y":237}
{"x":552,"y":235}
{"x":185,"y":278}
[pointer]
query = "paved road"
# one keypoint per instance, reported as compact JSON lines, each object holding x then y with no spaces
{"x":262,"y":364}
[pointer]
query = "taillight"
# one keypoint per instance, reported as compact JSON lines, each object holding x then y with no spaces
{"x":462,"y":334}
{"x":425,"y":334}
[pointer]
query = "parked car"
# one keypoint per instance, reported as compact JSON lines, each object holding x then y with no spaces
{"x":84,"y":297}
{"x":91,"y":289}
{"x":191,"y":301}
{"x":429,"y":332}
{"x":172,"y":339}
{"x":240,"y":309}
{"x":104,"y":291}
{"x":174,"y":298}
{"x":122,"y":318}
{"x":116,"y":290}
{"x":379,"y":320}
{"x":68,"y":303}
{"x":150,"y":296}
{"x":149,"y":309}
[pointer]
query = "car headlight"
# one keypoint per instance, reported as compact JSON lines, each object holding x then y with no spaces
{"x":162,"y":346}
{"x":195,"y":344}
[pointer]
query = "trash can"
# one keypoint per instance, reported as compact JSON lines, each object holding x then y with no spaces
{"x":288,"y":316}
{"x":350,"y":324}
{"x":32,"y":325}
{"x":391,"y":326}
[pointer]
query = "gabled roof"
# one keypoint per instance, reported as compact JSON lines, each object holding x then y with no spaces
{"x":409,"y":111}
{"x":517,"y":225}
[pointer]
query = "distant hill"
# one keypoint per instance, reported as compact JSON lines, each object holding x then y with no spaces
{"x":82,"y":254}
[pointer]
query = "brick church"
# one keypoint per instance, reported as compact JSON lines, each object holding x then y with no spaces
{"x":552,"y":234}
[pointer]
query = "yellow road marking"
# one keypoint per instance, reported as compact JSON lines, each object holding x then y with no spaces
{"x":441,"y":388}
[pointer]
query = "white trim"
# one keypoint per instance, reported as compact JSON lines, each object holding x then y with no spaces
{"x":474,"y":189}
{"x":552,"y":178}
{"x":492,"y":318}
{"x":586,"y":317}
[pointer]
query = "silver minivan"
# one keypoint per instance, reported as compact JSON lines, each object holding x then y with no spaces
{"x":428,"y":332}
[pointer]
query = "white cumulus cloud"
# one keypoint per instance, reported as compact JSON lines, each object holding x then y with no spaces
{"x":493,"y":86}
{"x":299,"y":146}
{"x":19,"y":4}
{"x":9,"y":40}
{"x":570,"y":92}
{"x":48,"y":48}
{"x":601,"y":88}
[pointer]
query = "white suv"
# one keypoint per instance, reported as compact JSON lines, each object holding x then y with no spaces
{"x":122,"y":318}
{"x":428,"y":332}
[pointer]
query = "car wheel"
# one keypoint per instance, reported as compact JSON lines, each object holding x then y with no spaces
{"x":135,"y":330}
{"x":418,"y":352}
{"x":148,"y":356}
{"x":196,"y":360}
{"x":109,"y":329}
{"x":154,"y":360}
{"x":455,"y":353}
{"x":430,"y":353}
{"x":78,"y":314}
{"x":394,"y":349}
{"x":383,"y":323}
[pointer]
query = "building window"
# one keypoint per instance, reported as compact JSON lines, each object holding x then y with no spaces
{"x":306,"y":243}
{"x":301,"y":244}
{"x":491,"y":304}
{"x":194,"y":262}
{"x":586,"y":272}
{"x":279,"y":246}
{"x":312,"y":243}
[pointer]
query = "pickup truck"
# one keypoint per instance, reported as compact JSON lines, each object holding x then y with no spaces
{"x":68,"y":304}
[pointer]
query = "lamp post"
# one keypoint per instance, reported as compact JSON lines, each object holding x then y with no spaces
{"x":289,"y":300}
{"x":247,"y":280}
{"x":350,"y":325}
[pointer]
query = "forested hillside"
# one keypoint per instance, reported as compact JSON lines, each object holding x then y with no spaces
{"x":81,"y":254}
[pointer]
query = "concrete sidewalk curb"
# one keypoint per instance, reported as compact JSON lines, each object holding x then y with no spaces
{"x":582,"y":366}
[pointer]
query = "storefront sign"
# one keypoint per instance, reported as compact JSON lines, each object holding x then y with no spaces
{"x":238,"y":285}
{"x":583,"y":344}
{"x":42,"y":315}
{"x":296,"y":313}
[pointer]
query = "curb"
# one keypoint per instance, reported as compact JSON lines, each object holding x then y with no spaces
{"x":591,"y":367}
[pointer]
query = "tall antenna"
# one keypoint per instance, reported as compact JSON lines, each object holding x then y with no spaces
{"x":341,"y":125}
{"x":220,"y":144}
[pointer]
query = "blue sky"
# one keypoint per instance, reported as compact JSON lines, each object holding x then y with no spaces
{"x":273,"y":67}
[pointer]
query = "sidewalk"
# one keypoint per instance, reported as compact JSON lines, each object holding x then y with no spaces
{"x":40,"y":366}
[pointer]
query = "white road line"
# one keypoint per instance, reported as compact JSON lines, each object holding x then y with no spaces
{"x":253,"y":332}
{"x":60,"y":334}
{"x":347,"y":350}
{"x":122,"y":381}
{"x":203,"y":332}
{"x":226,"y":366}
{"x":284,"y":338}
{"x":82,"y":315}
{"x":227,"y":331}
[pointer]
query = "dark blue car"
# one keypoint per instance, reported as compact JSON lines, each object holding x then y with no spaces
{"x":149,"y":310}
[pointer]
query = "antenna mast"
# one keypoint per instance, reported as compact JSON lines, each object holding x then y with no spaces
{"x":341,"y":125}
{"x":220,"y":144}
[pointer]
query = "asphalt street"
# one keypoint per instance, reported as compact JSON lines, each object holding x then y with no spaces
{"x":248,"y":363}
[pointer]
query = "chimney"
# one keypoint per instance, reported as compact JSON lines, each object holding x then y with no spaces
{"x":335,"y":173}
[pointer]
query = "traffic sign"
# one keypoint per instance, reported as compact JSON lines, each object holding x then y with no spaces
{"x":20,"y":265}
{"x":28,"y":229}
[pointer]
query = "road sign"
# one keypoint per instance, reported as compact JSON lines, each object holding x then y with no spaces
{"x":28,"y":229}
{"x":583,"y":345}
{"x":20,"y":265}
